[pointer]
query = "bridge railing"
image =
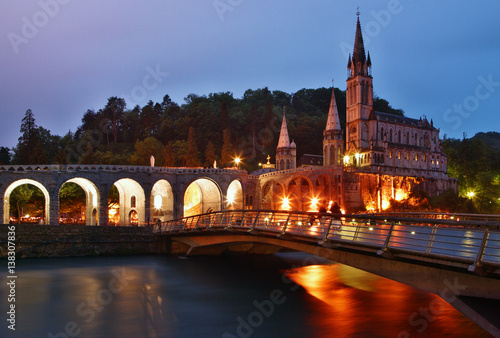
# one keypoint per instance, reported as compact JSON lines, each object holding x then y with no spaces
{"x":474,"y":243}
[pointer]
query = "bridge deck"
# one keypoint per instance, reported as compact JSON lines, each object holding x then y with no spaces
{"x":473,"y":245}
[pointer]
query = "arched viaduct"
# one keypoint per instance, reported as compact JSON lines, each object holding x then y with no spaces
{"x":149,"y":193}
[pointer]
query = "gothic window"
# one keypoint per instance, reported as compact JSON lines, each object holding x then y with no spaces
{"x":407,"y":137}
{"x":399,"y":136}
{"x":382,"y":134}
{"x":407,"y":156}
{"x":339,"y":153}
{"x":416,"y":139}
{"x":132,"y":201}
{"x":364,"y":132}
{"x":399,"y":155}
{"x":390,"y":135}
{"x":416,"y":157}
{"x":390,"y":153}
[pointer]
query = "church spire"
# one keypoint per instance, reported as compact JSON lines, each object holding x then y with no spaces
{"x":359,"y":64}
{"x":358,"y":54}
{"x":332,"y":122}
{"x":284,"y":140}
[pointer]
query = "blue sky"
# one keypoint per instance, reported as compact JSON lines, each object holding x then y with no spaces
{"x":61,"y":57}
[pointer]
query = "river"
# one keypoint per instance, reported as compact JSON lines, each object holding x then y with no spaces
{"x":285,"y":295}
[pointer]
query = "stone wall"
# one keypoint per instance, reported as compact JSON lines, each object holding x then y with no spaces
{"x":78,"y":240}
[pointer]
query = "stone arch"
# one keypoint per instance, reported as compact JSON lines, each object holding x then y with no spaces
{"x":201,"y":196}
{"x":234,"y":195}
{"x":162,"y":201}
{"x":14,"y":185}
{"x":322,"y":187}
{"x":128,"y":188}
{"x":92,"y":198}
{"x":302,"y":189}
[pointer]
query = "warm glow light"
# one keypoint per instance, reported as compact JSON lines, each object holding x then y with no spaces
{"x":471,"y":194}
{"x":400,"y":195}
{"x":385,"y":204}
{"x":357,"y":156}
{"x":286,"y":204}
{"x":314,"y":204}
{"x":157,"y":202}
{"x":346,"y":159}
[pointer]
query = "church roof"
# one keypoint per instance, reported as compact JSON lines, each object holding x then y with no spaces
{"x":403,"y":120}
{"x":333,"y":122}
{"x":284,"y":140}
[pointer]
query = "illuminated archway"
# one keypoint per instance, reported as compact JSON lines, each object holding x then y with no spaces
{"x":162,"y":201}
{"x":131,"y":198}
{"x":10,"y":189}
{"x":91,"y":199}
{"x":201,"y":196}
{"x":234,"y":196}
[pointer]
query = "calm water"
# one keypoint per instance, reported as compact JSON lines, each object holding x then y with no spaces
{"x":243,"y":296}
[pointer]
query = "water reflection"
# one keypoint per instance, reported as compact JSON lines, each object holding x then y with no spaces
{"x":350,"y":302}
{"x":210,"y":296}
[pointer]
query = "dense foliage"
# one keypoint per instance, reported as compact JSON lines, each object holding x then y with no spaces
{"x":215,"y":127}
{"x":219,"y":127}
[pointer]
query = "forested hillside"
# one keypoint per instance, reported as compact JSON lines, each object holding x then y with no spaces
{"x":219,"y":127}
{"x":208,"y":128}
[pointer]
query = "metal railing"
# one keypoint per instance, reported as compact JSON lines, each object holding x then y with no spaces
{"x":469,"y":243}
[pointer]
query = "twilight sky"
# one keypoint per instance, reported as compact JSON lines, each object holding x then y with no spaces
{"x":61,"y":57}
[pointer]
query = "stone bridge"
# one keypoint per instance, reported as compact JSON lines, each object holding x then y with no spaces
{"x":145,"y":193}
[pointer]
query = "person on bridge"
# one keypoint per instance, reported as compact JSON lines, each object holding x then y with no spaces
{"x":335,"y":210}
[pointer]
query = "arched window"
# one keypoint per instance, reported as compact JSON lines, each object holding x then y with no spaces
{"x":408,"y":137}
{"x":399,"y":136}
{"x":132,"y":201}
{"x":416,"y":139}
{"x":390,"y":135}
{"x":382,"y":134}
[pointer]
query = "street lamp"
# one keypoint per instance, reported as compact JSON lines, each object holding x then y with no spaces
{"x":237,"y":160}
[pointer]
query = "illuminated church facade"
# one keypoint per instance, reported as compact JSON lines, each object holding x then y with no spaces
{"x":382,"y":157}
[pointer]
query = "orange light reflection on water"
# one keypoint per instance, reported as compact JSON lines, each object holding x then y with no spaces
{"x":353,"y":302}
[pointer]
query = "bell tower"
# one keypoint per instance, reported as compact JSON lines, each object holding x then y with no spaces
{"x":286,"y":152}
{"x":333,"y":137}
{"x":359,"y":96}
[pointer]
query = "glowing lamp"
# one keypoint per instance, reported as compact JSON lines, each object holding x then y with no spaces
{"x":157,"y":202}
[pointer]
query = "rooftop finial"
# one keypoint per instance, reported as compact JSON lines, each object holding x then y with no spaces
{"x":357,"y":11}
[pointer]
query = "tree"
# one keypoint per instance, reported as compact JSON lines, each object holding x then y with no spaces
{"x":5,"y":156}
{"x":28,"y":200}
{"x":29,"y":149}
{"x":210,"y":156}
{"x":147,"y":148}
{"x":114,"y":111}
{"x":72,"y":199}
{"x":227,"y":154}
{"x":192,"y":159}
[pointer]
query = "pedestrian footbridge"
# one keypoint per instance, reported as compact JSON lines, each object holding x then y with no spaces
{"x":456,"y":259}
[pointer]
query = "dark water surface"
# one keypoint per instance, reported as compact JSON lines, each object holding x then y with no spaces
{"x":228,"y":296}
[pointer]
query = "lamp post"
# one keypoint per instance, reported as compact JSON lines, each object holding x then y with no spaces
{"x":237,"y":160}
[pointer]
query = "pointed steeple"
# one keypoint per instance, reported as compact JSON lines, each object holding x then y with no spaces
{"x":358,"y":54}
{"x":284,"y":140}
{"x":333,"y":122}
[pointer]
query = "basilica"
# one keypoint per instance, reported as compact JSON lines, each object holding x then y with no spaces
{"x":381,"y":158}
